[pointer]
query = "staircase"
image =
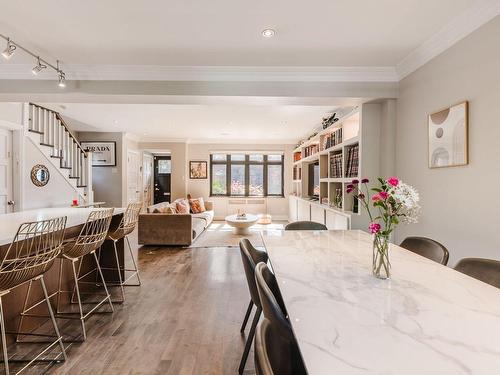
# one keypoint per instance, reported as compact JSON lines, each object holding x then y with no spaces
{"x":51,"y":135}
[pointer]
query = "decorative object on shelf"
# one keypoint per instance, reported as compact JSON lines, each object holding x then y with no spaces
{"x":198,"y":170}
{"x":330,"y":120}
{"x":395,"y":201}
{"x":338,"y":198}
{"x":103,"y":153}
{"x":40,"y":175}
{"x":448,"y":139}
{"x":312,"y":136}
{"x":324,"y":200}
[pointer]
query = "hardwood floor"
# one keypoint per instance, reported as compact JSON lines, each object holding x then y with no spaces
{"x":185,"y":319}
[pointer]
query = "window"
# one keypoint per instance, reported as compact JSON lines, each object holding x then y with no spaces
{"x":164,"y":166}
{"x":252,"y":175}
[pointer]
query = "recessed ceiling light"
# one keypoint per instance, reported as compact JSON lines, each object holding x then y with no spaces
{"x":268,"y":33}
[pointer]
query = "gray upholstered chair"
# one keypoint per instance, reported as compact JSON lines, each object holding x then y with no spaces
{"x":486,"y":270}
{"x":250,"y":256}
{"x":427,"y":248}
{"x":276,"y":349}
{"x":305,"y":225}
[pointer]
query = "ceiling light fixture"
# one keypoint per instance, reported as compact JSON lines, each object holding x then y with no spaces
{"x":41,"y":63}
{"x":38,"y":67}
{"x":9,"y":50}
{"x":268,"y":33}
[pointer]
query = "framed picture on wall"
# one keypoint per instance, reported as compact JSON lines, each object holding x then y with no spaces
{"x":198,"y":170}
{"x":448,"y":136}
{"x":103,"y":153}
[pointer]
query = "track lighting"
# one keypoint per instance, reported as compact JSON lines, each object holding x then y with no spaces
{"x":41,"y":64}
{"x":62,"y":79}
{"x":9,"y":50}
{"x":38,"y":67}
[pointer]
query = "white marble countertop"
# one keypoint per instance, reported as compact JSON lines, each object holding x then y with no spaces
{"x":9,"y":223}
{"x":427,"y":319}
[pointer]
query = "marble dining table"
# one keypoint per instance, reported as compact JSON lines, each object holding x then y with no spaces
{"x":427,"y":319}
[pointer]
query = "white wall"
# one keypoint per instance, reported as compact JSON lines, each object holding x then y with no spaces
{"x":57,"y":193}
{"x":460,"y":207}
{"x":278,"y":207}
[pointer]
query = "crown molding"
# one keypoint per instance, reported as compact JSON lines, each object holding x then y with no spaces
{"x":454,"y":31}
{"x":209,"y":73}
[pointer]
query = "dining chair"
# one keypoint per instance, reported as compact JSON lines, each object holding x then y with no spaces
{"x":486,"y":270}
{"x":32,"y":252}
{"x":90,"y":239}
{"x":250,"y":256}
{"x":276,"y":349}
{"x":126,"y":226}
{"x":305,"y":225}
{"x":427,"y":248}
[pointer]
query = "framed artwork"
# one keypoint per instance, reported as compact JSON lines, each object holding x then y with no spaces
{"x":198,"y":170}
{"x":103,"y":153}
{"x":448,"y":136}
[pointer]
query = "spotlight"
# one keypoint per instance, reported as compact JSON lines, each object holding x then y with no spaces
{"x":9,"y":50}
{"x":62,"y":79}
{"x":38,"y":67}
{"x":268,"y":33}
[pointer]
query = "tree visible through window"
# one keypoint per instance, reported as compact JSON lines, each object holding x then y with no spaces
{"x":252,"y":175}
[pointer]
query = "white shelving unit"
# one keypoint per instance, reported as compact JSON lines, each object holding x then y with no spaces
{"x":361,"y":128}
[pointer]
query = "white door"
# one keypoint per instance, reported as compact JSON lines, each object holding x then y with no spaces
{"x":133,"y":177}
{"x":6,"y":204}
{"x":147,"y":179}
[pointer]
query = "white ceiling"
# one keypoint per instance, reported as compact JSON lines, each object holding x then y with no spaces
{"x":197,"y":123}
{"x":227,"y":32}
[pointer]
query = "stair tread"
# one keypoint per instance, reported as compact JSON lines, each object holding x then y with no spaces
{"x":46,"y":144}
{"x":35,"y":131}
{"x":56,"y":157}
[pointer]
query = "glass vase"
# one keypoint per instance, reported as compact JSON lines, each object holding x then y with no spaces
{"x":381,"y":265}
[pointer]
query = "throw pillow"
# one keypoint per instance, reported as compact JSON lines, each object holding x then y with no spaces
{"x":197,"y":205}
{"x":182,"y":206}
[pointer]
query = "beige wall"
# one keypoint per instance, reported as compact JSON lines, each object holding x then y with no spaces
{"x":459,"y":204}
{"x":107,"y":182}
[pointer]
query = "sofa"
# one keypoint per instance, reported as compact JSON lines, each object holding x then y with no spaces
{"x":158,"y":228}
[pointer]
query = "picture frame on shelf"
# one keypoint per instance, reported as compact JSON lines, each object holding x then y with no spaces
{"x":448,"y":136}
{"x":198,"y":170}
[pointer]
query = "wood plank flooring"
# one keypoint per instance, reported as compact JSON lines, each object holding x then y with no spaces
{"x":184,"y":319}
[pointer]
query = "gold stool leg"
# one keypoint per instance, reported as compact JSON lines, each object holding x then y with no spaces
{"x":82,"y":320}
{"x":52,"y":317}
{"x":4,"y":340}
{"x":25,"y":305}
{"x":136,"y":269}
{"x":120,"y":280}
{"x":103,"y":282}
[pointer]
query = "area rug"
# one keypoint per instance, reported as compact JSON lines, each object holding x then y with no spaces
{"x":220,"y":234}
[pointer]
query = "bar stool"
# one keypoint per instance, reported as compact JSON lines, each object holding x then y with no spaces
{"x":31,"y":254}
{"x":276,"y":349}
{"x":127,"y":226}
{"x":250,"y":256}
{"x":89,"y":240}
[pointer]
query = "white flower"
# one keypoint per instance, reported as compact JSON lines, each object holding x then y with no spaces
{"x":408,"y":197}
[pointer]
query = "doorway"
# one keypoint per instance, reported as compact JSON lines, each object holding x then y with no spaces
{"x":147,"y":179}
{"x":133,"y":177}
{"x":162,"y":178}
{"x":6,"y":202}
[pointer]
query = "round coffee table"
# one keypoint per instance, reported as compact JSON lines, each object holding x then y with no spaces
{"x":241,"y":225}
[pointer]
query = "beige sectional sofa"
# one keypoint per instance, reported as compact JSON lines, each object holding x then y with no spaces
{"x":172,"y":229}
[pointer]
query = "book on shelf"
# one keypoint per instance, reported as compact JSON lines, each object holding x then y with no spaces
{"x":311,"y":150}
{"x":352,"y":165}
{"x":336,"y":165}
{"x":332,"y":139}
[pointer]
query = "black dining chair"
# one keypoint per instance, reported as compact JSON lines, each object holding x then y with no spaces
{"x":276,"y":349}
{"x":250,"y":256}
{"x":305,"y":225}
{"x":486,"y":270}
{"x":427,"y":248}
